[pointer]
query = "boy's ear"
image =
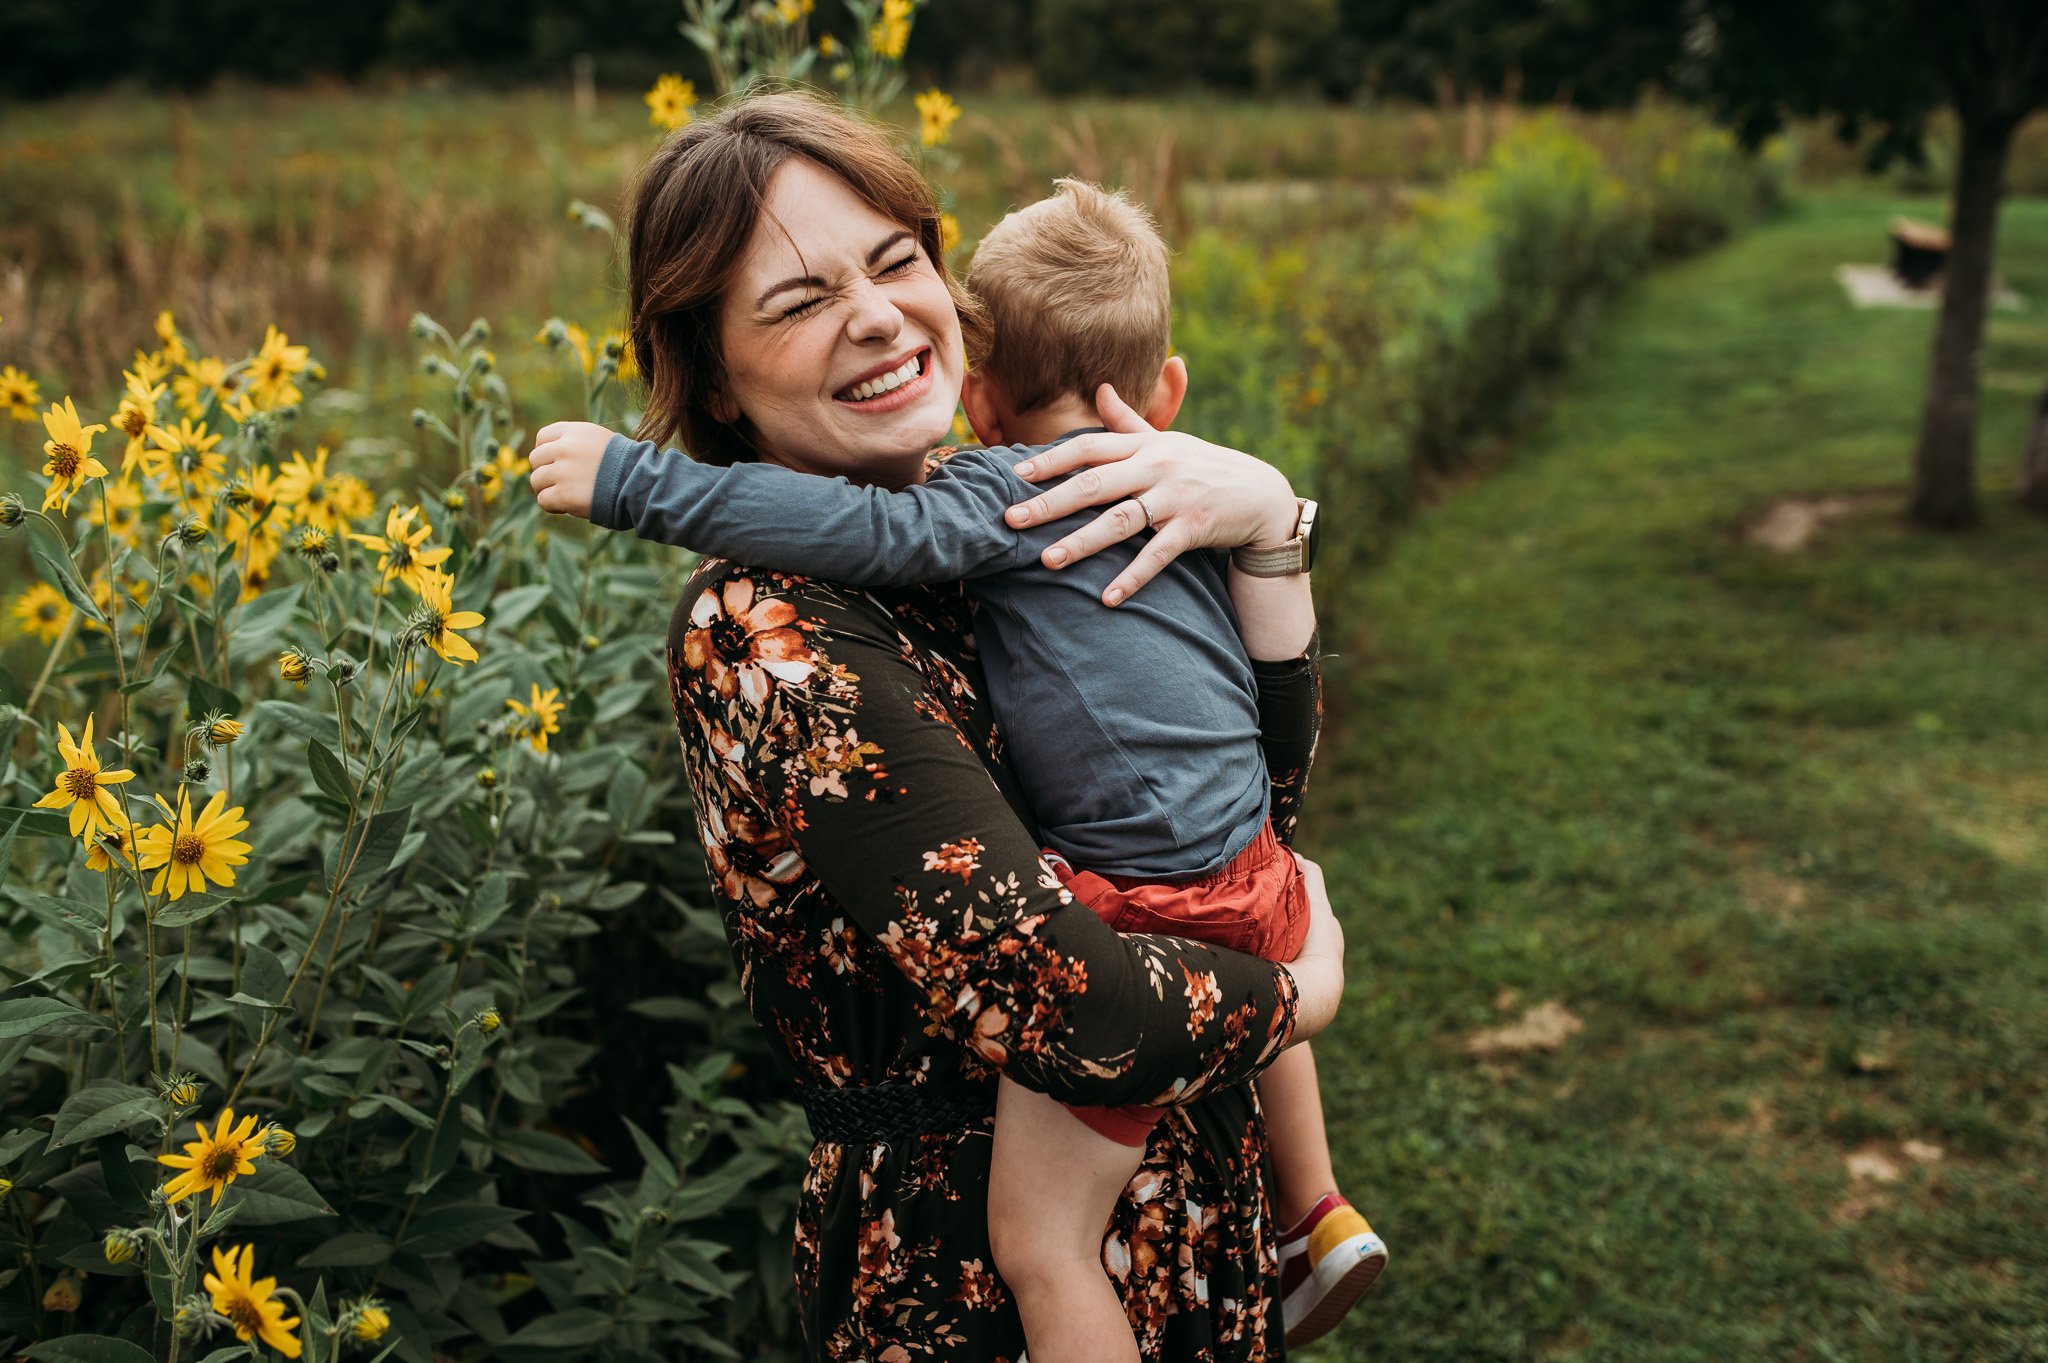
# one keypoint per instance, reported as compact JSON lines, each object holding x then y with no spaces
{"x":978,"y":398}
{"x":1167,"y":394}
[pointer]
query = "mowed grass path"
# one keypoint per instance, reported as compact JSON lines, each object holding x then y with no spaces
{"x":1775,"y":827}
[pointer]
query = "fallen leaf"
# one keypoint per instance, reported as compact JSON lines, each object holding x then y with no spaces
{"x":1922,"y":1152}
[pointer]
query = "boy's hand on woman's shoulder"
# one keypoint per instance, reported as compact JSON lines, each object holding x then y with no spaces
{"x":565,"y":458}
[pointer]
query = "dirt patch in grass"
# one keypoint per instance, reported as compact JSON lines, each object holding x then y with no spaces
{"x":1789,"y":525}
{"x":1546,"y":1027}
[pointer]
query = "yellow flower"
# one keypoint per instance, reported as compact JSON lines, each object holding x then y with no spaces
{"x":491,"y":477}
{"x":167,"y":333}
{"x":119,"y":509}
{"x":181,"y":1090}
{"x":150,"y":367}
{"x":276,"y":1141}
{"x":788,"y":12}
{"x":438,"y":619}
{"x":202,"y":377}
{"x":579,"y":341}
{"x":540,"y":716}
{"x":215,"y":1160}
{"x":252,"y":499}
{"x":19,"y":394}
{"x":294,"y":666}
{"x":81,"y":786}
{"x":221,"y":732}
{"x":352,"y":497}
{"x":828,"y":47}
{"x":112,"y":843}
{"x":189,"y":852}
{"x":670,"y":101}
{"x":186,"y":457}
{"x":371,"y":1321}
{"x":250,"y":1307}
{"x":136,"y":419}
{"x":70,"y":454}
{"x":275,"y":366}
{"x":315,"y":497}
{"x":891,"y":33}
{"x":936,"y":113}
{"x":488,"y":1021}
{"x":949,"y":232}
{"x":399,"y":551}
{"x":42,"y":612}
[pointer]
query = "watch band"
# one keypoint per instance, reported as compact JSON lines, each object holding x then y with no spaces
{"x":1285,"y":560}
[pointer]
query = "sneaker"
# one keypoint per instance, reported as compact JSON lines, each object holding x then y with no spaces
{"x":1327,"y":1261}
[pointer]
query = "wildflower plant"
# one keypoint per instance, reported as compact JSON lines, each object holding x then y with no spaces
{"x":291,"y":1023}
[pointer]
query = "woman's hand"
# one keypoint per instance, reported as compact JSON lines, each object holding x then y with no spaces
{"x":1319,"y":970}
{"x":1195,"y":495}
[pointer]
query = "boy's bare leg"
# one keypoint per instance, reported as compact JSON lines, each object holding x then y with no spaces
{"x":1294,"y":1133}
{"x":1052,"y":1185}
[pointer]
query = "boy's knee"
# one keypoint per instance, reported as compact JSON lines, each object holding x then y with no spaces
{"x":1030,"y":1260}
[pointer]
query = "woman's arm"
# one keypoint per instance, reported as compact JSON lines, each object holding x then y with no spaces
{"x":890,"y":808}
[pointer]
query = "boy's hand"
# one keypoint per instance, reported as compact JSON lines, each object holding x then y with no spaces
{"x":565,"y":459}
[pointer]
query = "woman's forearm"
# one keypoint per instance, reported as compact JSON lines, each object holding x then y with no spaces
{"x":1276,"y":616}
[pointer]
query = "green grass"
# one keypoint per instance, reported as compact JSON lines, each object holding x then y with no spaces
{"x":1774,"y":826}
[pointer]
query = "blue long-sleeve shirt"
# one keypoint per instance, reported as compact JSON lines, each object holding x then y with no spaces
{"x":1133,"y":731}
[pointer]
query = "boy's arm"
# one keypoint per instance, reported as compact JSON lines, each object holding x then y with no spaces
{"x":946,"y":528}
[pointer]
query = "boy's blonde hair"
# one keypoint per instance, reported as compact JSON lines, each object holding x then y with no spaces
{"x":1076,"y":290}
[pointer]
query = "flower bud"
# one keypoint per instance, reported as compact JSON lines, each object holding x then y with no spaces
{"x":6,"y":1189}
{"x":613,"y":347}
{"x":276,"y":1141}
{"x":196,"y":772}
{"x":423,"y":326}
{"x":13,"y":511}
{"x":294,"y":666}
{"x":590,"y":643}
{"x":366,"y":1320}
{"x":488,"y":778}
{"x":192,"y":531}
{"x":555,"y":332}
{"x":238,"y":494}
{"x":221,"y":731}
{"x":120,"y":1245}
{"x":194,"y":1317}
{"x":488,"y":1021}
{"x":330,"y":562}
{"x":180,"y":1090}
{"x":344,"y":672}
{"x":454,"y":499}
{"x":654,"y":1216}
{"x":420,"y":418}
{"x":317,"y":372}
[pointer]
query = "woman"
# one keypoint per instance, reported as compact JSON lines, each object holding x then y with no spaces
{"x":892,"y":922}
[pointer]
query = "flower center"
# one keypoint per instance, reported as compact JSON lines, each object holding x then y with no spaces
{"x":63,"y":461}
{"x":47,"y":611}
{"x":316,"y":493}
{"x":189,"y":849}
{"x":81,"y":783}
{"x":243,"y":1315}
{"x":437,"y":623}
{"x":732,"y":639}
{"x":134,"y":421}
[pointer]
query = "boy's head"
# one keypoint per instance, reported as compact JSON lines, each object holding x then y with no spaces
{"x":1076,"y":290}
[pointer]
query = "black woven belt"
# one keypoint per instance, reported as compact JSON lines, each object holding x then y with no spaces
{"x":894,"y":1110}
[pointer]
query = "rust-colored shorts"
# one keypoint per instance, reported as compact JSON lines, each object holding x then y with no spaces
{"x":1257,"y":904}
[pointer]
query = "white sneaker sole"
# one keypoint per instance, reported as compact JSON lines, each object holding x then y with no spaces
{"x":1351,"y":1267}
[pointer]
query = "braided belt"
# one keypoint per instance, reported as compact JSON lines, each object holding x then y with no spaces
{"x":893,"y":1110}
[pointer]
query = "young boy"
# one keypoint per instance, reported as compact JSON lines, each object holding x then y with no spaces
{"x":1152,"y":797}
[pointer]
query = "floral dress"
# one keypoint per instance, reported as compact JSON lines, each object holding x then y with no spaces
{"x":892,"y":921}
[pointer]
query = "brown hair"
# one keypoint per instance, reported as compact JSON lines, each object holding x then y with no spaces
{"x":693,"y":211}
{"x":1077,"y":294}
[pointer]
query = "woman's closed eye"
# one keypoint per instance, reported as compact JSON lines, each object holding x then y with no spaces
{"x":886,"y":272}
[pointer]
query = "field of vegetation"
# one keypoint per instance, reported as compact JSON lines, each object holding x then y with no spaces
{"x":1750,"y":836}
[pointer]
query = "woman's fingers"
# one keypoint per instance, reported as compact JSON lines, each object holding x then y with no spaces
{"x":1119,"y":523}
{"x":1117,"y":414}
{"x":1080,"y":452}
{"x":1146,"y":564}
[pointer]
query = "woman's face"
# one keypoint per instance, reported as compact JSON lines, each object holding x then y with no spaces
{"x":842,"y":348}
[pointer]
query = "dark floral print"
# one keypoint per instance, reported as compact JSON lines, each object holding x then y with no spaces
{"x":892,"y":921}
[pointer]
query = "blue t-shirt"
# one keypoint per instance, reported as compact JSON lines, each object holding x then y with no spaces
{"x":1133,"y":731}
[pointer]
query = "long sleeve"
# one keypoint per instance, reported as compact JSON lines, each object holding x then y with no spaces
{"x":944,"y":529}
{"x":811,"y":699}
{"x":1290,"y":719}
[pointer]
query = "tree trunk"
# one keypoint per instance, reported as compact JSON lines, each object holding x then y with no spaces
{"x":2034,"y":460}
{"x":1945,"y":468}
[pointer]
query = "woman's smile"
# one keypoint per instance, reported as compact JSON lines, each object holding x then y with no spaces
{"x":889,"y":387}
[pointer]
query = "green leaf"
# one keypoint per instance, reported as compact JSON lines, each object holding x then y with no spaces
{"x":355,"y":1249}
{"x":157,"y":669}
{"x":189,"y":910}
{"x":88,"y":1349}
{"x":380,"y":843}
{"x":36,"y":823}
{"x":46,"y":1017}
{"x":259,"y":629}
{"x":300,"y":721}
{"x":53,"y":558}
{"x":329,"y":773}
{"x":544,"y":1152}
{"x":456,"y":1226}
{"x":578,"y":1327}
{"x":274,"y":1194}
{"x":202,"y":697}
{"x":101,"y":1108}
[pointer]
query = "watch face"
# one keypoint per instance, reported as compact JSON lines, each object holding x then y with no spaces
{"x":1308,"y":535}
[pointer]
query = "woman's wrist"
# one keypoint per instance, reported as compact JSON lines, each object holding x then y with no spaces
{"x":1282,"y":517}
